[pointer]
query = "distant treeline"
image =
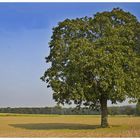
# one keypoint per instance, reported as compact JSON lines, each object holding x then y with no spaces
{"x":49,"y":110}
{"x":118,"y":110}
{"x":122,"y":110}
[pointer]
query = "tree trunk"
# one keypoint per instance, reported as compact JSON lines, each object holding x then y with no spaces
{"x":104,"y":112}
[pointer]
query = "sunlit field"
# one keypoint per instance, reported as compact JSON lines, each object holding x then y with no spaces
{"x":14,"y":125}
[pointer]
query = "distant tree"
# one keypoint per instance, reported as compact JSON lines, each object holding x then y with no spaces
{"x":8,"y":109}
{"x":138,"y":108}
{"x":129,"y":110}
{"x":95,"y":59}
{"x":114,"y":110}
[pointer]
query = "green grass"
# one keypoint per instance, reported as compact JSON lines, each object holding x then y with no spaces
{"x":38,"y":125}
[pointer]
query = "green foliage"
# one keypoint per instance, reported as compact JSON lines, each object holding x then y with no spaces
{"x":113,"y":110}
{"x":49,"y":110}
{"x":94,"y":56}
{"x":122,"y":110}
{"x":138,"y":108}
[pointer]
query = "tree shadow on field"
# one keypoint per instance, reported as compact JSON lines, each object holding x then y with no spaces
{"x":49,"y":126}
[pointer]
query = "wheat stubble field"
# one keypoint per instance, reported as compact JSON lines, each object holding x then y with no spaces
{"x":14,"y":125}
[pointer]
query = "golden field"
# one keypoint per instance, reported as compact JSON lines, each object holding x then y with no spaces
{"x":14,"y":125}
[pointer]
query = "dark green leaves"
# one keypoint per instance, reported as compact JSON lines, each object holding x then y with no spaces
{"x":92,"y":56}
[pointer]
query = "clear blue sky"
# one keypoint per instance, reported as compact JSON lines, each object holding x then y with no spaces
{"x":25,"y":30}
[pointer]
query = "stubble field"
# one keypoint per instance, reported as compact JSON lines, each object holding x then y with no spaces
{"x":14,"y":125}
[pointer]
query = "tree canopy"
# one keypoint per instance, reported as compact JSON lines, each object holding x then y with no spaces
{"x":94,"y":58}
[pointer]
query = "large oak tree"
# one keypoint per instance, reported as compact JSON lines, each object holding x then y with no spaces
{"x":95,"y":59}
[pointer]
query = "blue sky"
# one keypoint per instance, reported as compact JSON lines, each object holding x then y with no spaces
{"x":25,"y":30}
